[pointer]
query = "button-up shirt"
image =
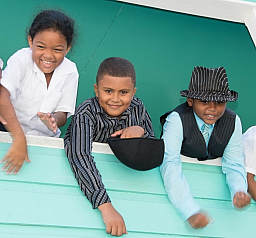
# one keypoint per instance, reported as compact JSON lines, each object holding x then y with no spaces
{"x":176,"y":184}
{"x":27,"y":86}
{"x":90,"y":123}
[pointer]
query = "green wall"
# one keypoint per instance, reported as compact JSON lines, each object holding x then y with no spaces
{"x":163,"y":46}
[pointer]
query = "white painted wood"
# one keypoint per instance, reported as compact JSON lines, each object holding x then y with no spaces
{"x":104,"y":148}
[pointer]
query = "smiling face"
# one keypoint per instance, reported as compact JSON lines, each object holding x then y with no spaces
{"x":209,"y":112}
{"x":114,"y":94}
{"x":49,"y":48}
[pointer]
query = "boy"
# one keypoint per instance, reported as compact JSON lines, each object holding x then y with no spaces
{"x":203,"y":128}
{"x":113,"y":112}
{"x":249,"y":139}
{"x":17,"y":153}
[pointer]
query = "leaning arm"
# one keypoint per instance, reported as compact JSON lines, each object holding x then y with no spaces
{"x":175,"y":182}
{"x":233,"y":162}
{"x":78,"y":147}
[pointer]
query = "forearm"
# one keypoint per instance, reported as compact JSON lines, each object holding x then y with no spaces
{"x":8,"y":113}
{"x":251,"y":185}
{"x":78,"y":146}
{"x":60,"y":117}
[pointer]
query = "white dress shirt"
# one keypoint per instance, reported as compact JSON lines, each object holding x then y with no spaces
{"x":27,"y":86}
{"x":249,"y":140}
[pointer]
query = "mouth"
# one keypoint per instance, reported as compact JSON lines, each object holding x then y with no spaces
{"x":114,"y":106}
{"x":210,"y":117}
{"x":47,"y":64}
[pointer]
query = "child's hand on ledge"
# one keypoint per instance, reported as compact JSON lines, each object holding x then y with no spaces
{"x":130,"y":132}
{"x":113,"y":220}
{"x":241,"y":199}
{"x":198,"y":220}
{"x":14,"y":159}
{"x":49,"y":120}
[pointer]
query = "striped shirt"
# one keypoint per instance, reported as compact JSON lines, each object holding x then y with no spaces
{"x":90,"y":123}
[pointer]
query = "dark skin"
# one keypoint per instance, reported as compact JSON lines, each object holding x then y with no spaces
{"x":210,"y":112}
{"x":251,"y":185}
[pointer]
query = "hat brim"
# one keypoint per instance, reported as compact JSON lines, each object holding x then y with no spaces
{"x":231,"y":96}
{"x":138,"y":153}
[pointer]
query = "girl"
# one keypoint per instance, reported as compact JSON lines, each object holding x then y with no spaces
{"x":40,"y":81}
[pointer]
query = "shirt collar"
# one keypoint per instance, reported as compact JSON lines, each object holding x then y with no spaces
{"x":200,"y":122}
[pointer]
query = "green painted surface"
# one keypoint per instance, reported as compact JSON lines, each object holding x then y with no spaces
{"x":164,"y":47}
{"x":44,"y":200}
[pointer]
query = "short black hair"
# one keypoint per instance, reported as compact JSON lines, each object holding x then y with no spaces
{"x":52,"y":19}
{"x":117,"y":67}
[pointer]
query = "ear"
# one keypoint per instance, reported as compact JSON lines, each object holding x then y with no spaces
{"x":190,"y":101}
{"x":96,"y":90}
{"x":134,"y":91}
{"x":30,"y":41}
{"x":68,"y":49}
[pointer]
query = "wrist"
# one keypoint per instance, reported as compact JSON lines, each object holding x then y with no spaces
{"x":105,"y":206}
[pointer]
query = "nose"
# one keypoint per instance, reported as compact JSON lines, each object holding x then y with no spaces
{"x":212,"y":106}
{"x":115,"y":97}
{"x":47,"y":54}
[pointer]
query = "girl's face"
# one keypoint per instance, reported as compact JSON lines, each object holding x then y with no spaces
{"x":49,"y":48}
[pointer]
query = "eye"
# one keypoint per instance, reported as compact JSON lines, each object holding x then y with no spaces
{"x":124,"y":92}
{"x":58,"y":50}
{"x":204,"y":102}
{"x":40,"y":46}
{"x":108,"y":91}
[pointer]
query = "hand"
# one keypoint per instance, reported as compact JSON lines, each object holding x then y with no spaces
{"x":241,"y":199}
{"x":49,"y":120}
{"x":113,"y":220}
{"x":16,"y":155}
{"x":130,"y":132}
{"x":198,"y":220}
{"x":2,"y":120}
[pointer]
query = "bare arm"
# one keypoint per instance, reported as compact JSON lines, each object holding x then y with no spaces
{"x":251,"y":185}
{"x":16,"y":155}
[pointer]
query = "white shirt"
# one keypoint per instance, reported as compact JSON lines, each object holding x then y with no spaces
{"x":27,"y":86}
{"x":249,"y":140}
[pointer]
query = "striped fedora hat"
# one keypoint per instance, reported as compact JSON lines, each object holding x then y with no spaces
{"x":209,"y":84}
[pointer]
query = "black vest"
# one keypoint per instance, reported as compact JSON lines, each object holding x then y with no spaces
{"x":193,"y":144}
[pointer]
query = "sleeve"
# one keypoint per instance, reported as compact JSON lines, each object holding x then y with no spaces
{"x":146,"y":123}
{"x":175,"y":183}
{"x":78,"y":147}
{"x":249,"y":142}
{"x":233,"y":162}
{"x":67,"y":102}
{"x":13,"y":75}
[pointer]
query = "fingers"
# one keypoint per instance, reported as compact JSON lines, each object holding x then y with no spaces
{"x":10,"y":166}
{"x":241,"y":199}
{"x":117,"y":133}
{"x":49,"y":120}
{"x":3,"y":121}
{"x":198,"y":220}
{"x":116,"y":229}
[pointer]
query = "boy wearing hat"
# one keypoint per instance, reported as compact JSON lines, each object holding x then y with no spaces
{"x":203,"y":128}
{"x":17,"y":153}
{"x":113,"y":112}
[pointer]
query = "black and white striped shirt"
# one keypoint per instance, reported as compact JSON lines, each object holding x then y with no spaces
{"x":90,"y":123}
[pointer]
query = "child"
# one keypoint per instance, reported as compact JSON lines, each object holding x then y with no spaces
{"x":249,"y":139}
{"x":18,"y":150}
{"x":113,"y":112}
{"x":203,"y":128}
{"x":40,"y":81}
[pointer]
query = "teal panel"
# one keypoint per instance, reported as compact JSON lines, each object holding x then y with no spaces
{"x":164,"y":47}
{"x":43,"y":200}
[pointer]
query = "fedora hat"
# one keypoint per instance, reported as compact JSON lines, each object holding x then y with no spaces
{"x":210,"y":84}
{"x":138,"y":153}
